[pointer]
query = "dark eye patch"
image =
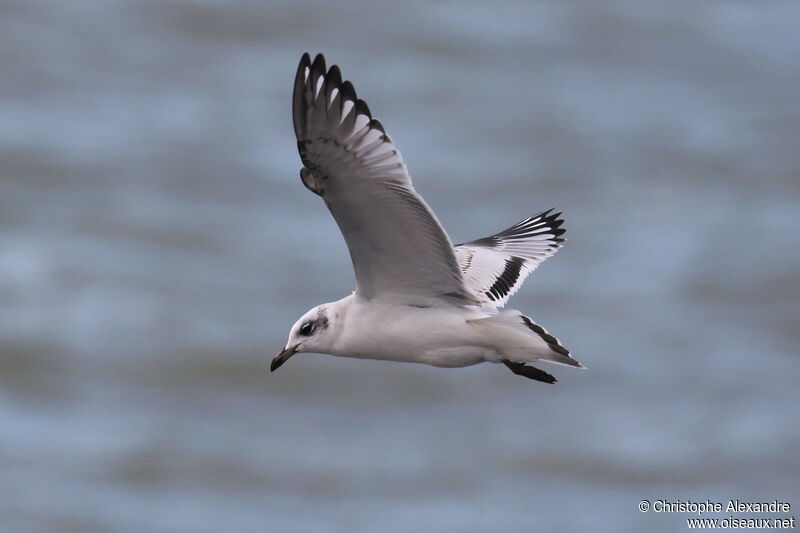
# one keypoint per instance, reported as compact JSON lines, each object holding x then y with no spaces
{"x":307,"y":328}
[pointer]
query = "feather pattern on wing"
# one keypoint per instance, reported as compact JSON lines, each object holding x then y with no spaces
{"x":494,"y":267}
{"x":398,"y":247}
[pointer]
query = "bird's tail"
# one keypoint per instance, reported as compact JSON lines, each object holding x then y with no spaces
{"x":520,"y":339}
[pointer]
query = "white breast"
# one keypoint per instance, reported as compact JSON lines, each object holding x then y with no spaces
{"x":439,"y":336}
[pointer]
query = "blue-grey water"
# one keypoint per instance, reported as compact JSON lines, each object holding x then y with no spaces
{"x":156,"y":245}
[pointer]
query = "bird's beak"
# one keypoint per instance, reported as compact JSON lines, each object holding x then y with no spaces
{"x":281,"y":358}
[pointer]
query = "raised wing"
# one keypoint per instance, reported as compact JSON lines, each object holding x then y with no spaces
{"x":495,"y":267}
{"x":398,"y":247}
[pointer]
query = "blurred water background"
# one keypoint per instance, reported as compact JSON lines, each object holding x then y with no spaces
{"x":156,"y":245}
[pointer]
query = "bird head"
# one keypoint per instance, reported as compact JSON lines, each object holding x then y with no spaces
{"x":311,"y":333}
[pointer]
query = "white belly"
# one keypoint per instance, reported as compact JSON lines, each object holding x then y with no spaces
{"x":439,"y":336}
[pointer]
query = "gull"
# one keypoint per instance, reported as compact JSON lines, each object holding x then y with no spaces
{"x":418,"y":297}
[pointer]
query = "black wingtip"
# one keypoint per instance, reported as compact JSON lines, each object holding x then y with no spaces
{"x":348,"y":92}
{"x":318,"y":66}
{"x":362,"y":108}
{"x":305,"y":62}
{"x":549,"y":216}
{"x":298,"y":104}
{"x":333,"y":80}
{"x":334,"y":76}
{"x":375,"y":124}
{"x":545,"y":222}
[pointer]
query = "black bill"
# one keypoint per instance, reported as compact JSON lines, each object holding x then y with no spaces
{"x":281,"y":358}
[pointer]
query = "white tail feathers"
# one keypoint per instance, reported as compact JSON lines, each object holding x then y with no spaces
{"x":520,"y":339}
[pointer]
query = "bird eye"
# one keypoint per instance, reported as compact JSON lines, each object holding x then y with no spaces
{"x":307,"y":328}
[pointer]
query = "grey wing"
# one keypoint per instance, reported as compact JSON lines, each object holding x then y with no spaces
{"x":398,"y":247}
{"x":495,"y":267}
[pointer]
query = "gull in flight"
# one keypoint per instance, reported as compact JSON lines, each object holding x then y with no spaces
{"x":418,"y":297}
